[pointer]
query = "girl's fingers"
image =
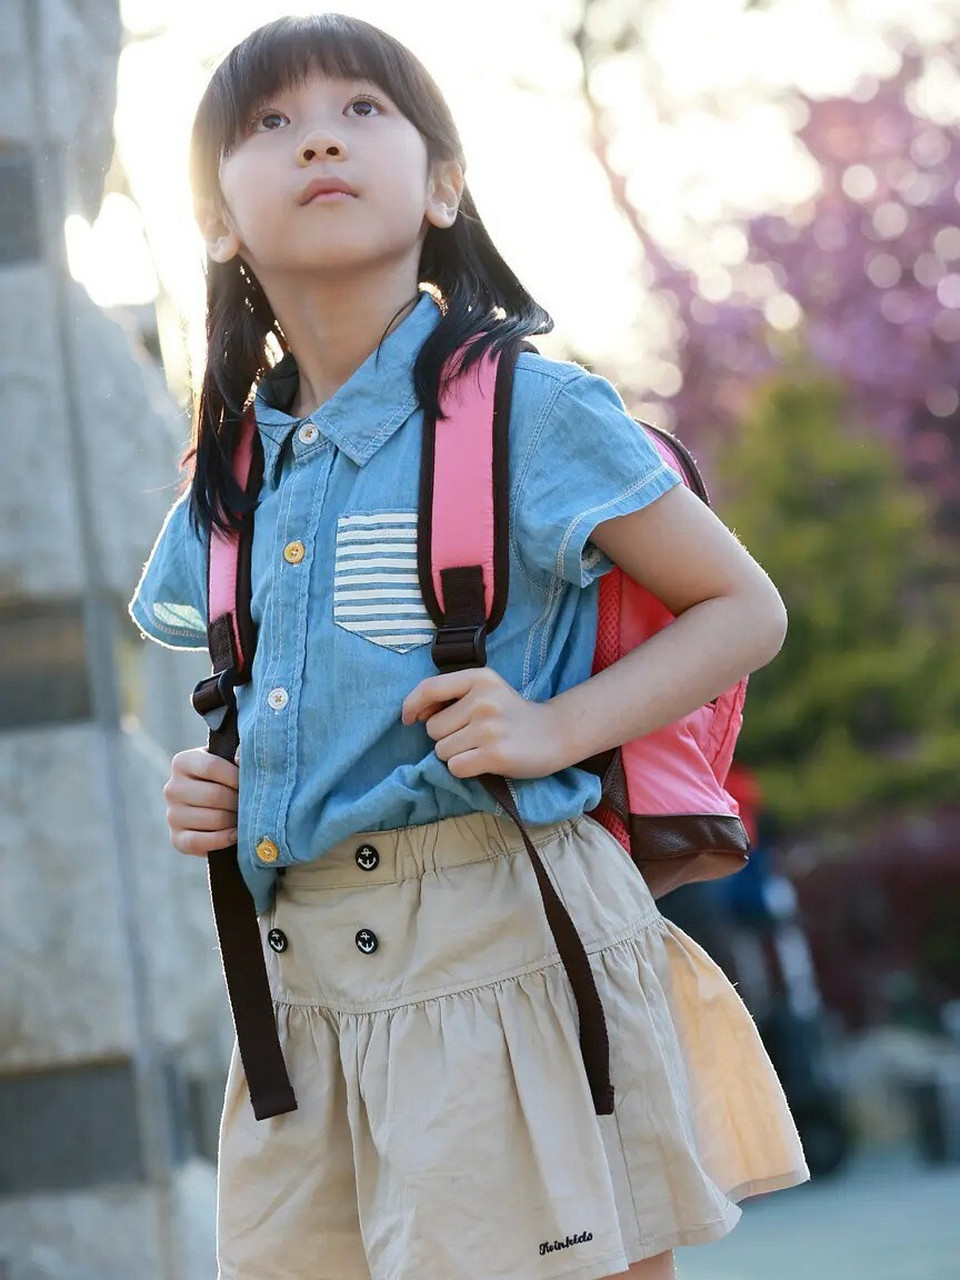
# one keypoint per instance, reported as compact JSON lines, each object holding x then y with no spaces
{"x":195,"y":793}
{"x":202,"y":798}
{"x":198,"y":844}
{"x":222,"y":772}
{"x":447,"y":717}
{"x":432,"y":709}
{"x":454,"y":743}
{"x":186,"y":817}
{"x":203,"y":766}
{"x":208,"y":795}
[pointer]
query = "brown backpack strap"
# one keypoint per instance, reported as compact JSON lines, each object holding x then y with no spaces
{"x":460,"y":643}
{"x":594,"y":1041}
{"x":238,"y":931}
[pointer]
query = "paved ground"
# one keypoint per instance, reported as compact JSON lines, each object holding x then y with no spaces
{"x":885,"y":1216}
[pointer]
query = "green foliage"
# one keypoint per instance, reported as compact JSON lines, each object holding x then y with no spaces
{"x":861,"y":708}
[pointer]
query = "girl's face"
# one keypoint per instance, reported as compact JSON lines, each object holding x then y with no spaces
{"x":345,"y":133}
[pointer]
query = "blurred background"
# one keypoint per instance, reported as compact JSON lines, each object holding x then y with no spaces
{"x":743,"y":214}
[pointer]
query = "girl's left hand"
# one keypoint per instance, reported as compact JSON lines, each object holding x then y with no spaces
{"x":482,"y":725}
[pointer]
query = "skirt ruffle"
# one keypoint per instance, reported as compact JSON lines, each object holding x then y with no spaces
{"x":453,"y":1136}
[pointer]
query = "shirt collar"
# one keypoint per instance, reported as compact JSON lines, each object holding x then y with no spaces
{"x":370,"y":406}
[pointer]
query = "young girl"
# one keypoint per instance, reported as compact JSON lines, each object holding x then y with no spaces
{"x":444,"y":1129}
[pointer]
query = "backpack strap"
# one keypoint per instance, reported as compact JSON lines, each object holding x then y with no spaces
{"x":463,"y":566}
{"x":228,"y":558}
{"x":463,"y":522}
{"x":232,"y":640}
{"x":676,"y":454}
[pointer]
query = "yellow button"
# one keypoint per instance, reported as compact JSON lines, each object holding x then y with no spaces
{"x":267,"y":851}
{"x":294,"y":552}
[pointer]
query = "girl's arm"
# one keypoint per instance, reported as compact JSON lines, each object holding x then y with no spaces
{"x":730,"y":620}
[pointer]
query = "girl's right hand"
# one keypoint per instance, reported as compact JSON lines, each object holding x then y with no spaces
{"x":201,"y":797}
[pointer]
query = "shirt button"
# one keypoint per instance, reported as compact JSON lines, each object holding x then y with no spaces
{"x":294,"y":552}
{"x":367,"y":941}
{"x":277,"y":939}
{"x":267,"y":851}
{"x":278,"y":698}
{"x":367,"y":857}
{"x":307,"y":433}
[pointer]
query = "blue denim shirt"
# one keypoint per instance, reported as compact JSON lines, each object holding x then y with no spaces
{"x":343,"y":635}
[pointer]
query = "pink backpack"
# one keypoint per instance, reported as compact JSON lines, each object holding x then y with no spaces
{"x":663,"y":796}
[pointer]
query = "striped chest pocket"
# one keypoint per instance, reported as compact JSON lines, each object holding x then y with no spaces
{"x":375,"y":589}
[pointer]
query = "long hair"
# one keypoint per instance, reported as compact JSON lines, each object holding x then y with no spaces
{"x":477,"y":291}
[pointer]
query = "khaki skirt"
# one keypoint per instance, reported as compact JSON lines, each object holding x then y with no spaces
{"x":445,"y":1128}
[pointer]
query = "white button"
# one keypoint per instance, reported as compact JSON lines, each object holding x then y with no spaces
{"x":278,"y":698}
{"x":307,"y":433}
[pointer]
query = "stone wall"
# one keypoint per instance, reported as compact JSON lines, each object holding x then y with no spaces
{"x":114,"y":1028}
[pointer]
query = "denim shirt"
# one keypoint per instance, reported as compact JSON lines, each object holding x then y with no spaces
{"x":343,"y":635}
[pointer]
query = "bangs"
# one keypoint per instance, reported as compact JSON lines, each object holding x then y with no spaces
{"x":283,"y":55}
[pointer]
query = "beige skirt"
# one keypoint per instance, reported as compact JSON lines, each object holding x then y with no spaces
{"x":445,"y":1129}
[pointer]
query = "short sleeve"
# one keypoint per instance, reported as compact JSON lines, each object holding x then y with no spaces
{"x":170,"y":602}
{"x":587,"y":462}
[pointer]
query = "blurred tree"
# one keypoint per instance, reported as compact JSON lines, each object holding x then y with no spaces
{"x":873,"y":265}
{"x":861,"y":709}
{"x":865,"y":277}
{"x":820,"y":391}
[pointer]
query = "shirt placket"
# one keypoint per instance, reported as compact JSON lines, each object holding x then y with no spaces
{"x":284,"y":634}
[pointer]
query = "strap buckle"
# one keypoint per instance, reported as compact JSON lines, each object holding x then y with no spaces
{"x":457,"y":647}
{"x":214,"y":696}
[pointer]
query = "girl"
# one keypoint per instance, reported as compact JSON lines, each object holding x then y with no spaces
{"x":445,"y":1130}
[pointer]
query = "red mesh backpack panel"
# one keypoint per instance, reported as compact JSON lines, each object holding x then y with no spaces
{"x":663,"y":793}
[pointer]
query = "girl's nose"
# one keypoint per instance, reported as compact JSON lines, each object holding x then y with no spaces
{"x":321,"y":142}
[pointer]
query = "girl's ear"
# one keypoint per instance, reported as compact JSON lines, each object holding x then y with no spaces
{"x":443,"y":195}
{"x":221,"y":240}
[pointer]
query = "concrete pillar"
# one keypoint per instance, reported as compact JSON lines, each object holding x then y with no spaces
{"x":114,"y":1027}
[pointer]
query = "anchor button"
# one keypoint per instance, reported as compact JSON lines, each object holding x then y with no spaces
{"x":367,"y":941}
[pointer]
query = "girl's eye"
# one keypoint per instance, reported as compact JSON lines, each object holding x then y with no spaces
{"x":369,"y":104}
{"x":260,"y":120}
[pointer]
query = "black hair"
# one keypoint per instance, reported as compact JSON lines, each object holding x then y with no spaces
{"x":476,"y":290}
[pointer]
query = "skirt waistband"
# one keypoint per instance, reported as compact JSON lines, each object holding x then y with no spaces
{"x":406,"y":853}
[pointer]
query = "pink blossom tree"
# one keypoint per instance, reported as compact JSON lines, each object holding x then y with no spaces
{"x":862,"y":281}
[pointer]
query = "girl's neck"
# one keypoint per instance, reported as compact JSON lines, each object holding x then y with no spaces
{"x":332,"y":326}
